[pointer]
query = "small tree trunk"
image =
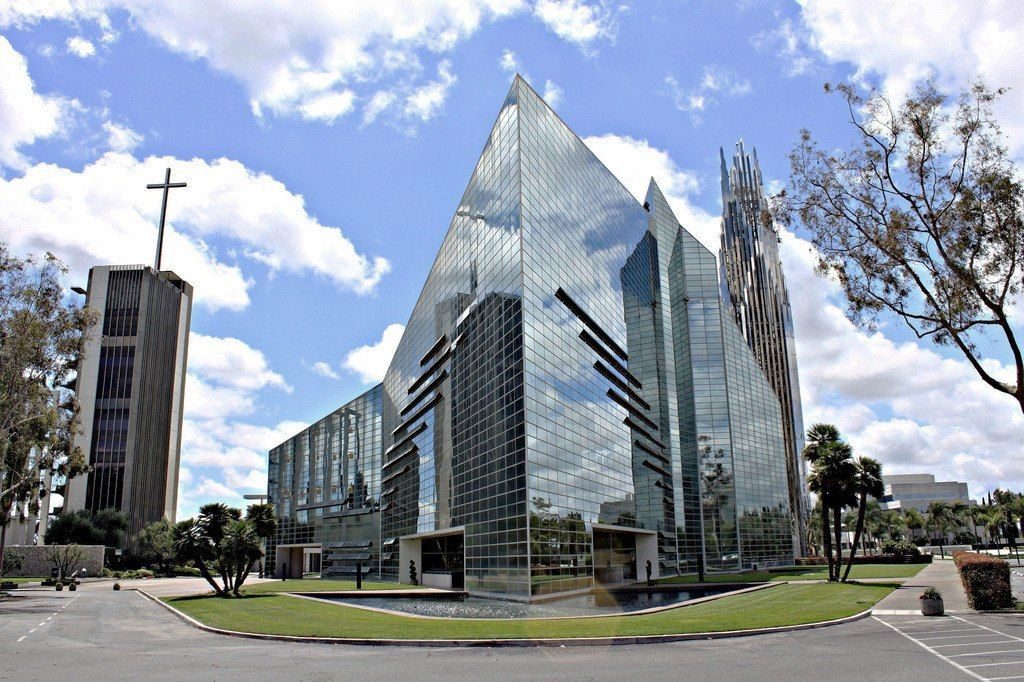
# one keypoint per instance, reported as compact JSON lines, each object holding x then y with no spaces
{"x":205,"y":572}
{"x":3,"y":543}
{"x":826,"y":539}
{"x":837,"y":523}
{"x":861,"y":510}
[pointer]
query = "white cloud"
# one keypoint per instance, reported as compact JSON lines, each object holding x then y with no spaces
{"x":114,"y":219}
{"x":424,"y":102}
{"x":219,"y":447}
{"x":371,"y":362}
{"x":954,"y":41}
{"x":635,"y":162}
{"x":231,"y":362}
{"x":552,"y":94}
{"x":510,"y":62}
{"x":576,"y":21}
{"x":319,"y":61}
{"x":788,"y":44}
{"x":121,"y":138}
{"x":715,"y":82}
{"x":80,"y":47}
{"x":324,"y":369}
{"x":25,"y":115}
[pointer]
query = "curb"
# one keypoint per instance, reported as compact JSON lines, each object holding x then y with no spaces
{"x":547,"y":642}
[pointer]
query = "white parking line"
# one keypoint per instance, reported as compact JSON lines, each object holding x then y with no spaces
{"x":947,"y":646}
{"x":978,"y":625}
{"x":1011,"y":677}
{"x":980,"y":634}
{"x":22,"y":637}
{"x":989,"y":665}
{"x":989,"y":653}
{"x":928,"y":648}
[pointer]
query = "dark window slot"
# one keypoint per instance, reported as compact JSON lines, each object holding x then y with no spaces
{"x":654,"y":467}
{"x":651,"y":451}
{"x":643,"y":432}
{"x":395,"y":475}
{"x":430,"y":370}
{"x":664,"y":486}
{"x":624,"y":402}
{"x":419,"y":413}
{"x":609,"y":358}
{"x":402,"y":456}
{"x":350,"y":544}
{"x":620,"y":384}
{"x":586,"y":319}
{"x":392,"y":490}
{"x":405,"y":439}
{"x":427,"y":390}
{"x":434,"y":349}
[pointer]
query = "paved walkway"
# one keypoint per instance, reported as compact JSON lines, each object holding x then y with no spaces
{"x":940,"y":574}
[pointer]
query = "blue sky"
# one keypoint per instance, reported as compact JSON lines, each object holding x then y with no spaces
{"x":326,"y":145}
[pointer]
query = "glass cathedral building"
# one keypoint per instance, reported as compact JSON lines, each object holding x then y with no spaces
{"x":571,"y":397}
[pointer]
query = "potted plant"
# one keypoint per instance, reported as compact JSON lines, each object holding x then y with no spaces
{"x":60,"y":586}
{"x":73,"y":586}
{"x":931,"y":602}
{"x":117,"y":587}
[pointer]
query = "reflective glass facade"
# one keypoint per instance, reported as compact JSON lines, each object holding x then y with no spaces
{"x":325,"y":485}
{"x":570,"y":372}
{"x":754,"y":287}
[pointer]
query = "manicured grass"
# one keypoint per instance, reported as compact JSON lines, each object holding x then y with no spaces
{"x":858,"y":572}
{"x":318,"y":585}
{"x":23,"y":580}
{"x":775,"y":606}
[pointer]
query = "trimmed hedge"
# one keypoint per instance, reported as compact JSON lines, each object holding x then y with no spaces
{"x":986,"y":580}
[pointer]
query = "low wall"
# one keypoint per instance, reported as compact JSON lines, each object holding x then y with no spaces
{"x":37,"y":565}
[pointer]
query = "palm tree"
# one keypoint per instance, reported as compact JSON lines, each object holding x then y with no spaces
{"x":264,"y":522}
{"x":867,"y":482}
{"x":914,"y":520}
{"x":831,"y":479}
{"x":191,"y":543}
{"x":941,"y":520}
{"x":992,"y":518}
{"x":895,"y":524}
{"x":240,"y":547}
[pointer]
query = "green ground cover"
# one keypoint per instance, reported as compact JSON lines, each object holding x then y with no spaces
{"x":23,"y":580}
{"x":859,"y":572}
{"x":318,"y":585}
{"x":782,"y":605}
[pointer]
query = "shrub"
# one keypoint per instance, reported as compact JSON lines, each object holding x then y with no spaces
{"x":190,"y":571}
{"x":986,"y":580}
{"x":117,"y":587}
{"x":60,"y":586}
{"x":931,"y":593}
{"x":965,"y":538}
{"x":106,"y":573}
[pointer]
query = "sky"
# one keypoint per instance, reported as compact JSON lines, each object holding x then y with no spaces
{"x":326,"y":145}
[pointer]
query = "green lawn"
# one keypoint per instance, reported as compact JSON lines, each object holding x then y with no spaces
{"x":22,"y":580}
{"x":859,"y":572}
{"x":781,"y":605}
{"x":318,"y":585}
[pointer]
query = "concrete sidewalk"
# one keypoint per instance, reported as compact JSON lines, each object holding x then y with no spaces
{"x":940,"y":574}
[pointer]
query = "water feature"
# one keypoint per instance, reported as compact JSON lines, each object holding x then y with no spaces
{"x":598,"y":602}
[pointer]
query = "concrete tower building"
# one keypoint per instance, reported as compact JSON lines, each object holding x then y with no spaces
{"x":130,"y":384}
{"x":753,"y":283}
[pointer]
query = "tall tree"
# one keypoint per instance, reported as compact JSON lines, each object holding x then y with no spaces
{"x":221,"y":540}
{"x":41,"y":338}
{"x":264,"y":522}
{"x":831,"y":479}
{"x":922,"y":218}
{"x":914,"y":520}
{"x":941,"y":519}
{"x":867,"y":482}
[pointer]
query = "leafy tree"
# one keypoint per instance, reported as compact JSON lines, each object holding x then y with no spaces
{"x":13,"y":561}
{"x":66,"y":559}
{"x":105,"y":527}
{"x":894,"y":523}
{"x":41,"y":338}
{"x":922,"y":218}
{"x":867,"y":482}
{"x":221,"y":540}
{"x":914,"y":520}
{"x":155,"y":545}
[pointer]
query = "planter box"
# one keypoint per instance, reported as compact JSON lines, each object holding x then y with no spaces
{"x":932,"y":607}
